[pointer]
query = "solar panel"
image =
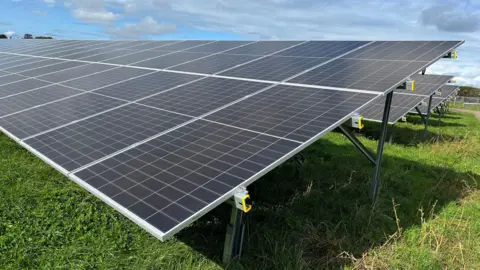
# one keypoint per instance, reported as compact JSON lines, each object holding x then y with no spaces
{"x":136,"y":57}
{"x":446,"y":92}
{"x":153,"y":45}
{"x":264,"y":47}
{"x":170,"y":179}
{"x":45,"y":62}
{"x":215,"y":63}
{"x":202,"y":96}
{"x":322,"y":48}
{"x":296,"y":113}
{"x":426,"y":84}
{"x":74,"y":73}
{"x":107,"y":55}
{"x":184,"y":45}
{"x":147,"y":85}
{"x":105,"y":78}
{"x":7,"y":79}
{"x":20,"y":87}
{"x":169,"y":60}
{"x":44,"y":118}
{"x":30,"y":99}
{"x":274,"y":68}
{"x":165,"y":147}
{"x":401,"y":105}
{"x":374,"y":75}
{"x":217,"y":47}
{"x":80,"y":143}
{"x":51,"y":69}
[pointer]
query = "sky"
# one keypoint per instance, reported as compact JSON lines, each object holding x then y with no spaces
{"x":258,"y":19}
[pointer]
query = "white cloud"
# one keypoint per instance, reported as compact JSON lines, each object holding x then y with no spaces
{"x":148,"y":26}
{"x":50,"y":2}
{"x":9,"y":33}
{"x":40,"y":12}
{"x":299,"y":19}
{"x":90,"y":16}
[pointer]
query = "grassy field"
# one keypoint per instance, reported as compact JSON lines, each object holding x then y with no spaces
{"x":468,"y":107}
{"x":427,"y":215}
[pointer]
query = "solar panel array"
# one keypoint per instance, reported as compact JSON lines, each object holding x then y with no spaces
{"x":447,"y":91}
{"x":404,"y":100}
{"x":164,"y":131}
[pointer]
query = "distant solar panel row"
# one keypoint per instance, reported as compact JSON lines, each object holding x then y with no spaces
{"x":372,"y":66}
{"x":405,"y":100}
{"x":163,"y":145}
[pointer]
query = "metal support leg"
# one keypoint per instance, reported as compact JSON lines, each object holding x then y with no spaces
{"x":428,"y":115}
{"x":421,"y":114}
{"x":234,"y":236}
{"x":392,"y":134}
{"x":376,"y":175}
{"x":357,"y":144}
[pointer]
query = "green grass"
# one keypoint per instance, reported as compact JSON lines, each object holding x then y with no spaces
{"x":468,"y":107}
{"x":426,"y":216}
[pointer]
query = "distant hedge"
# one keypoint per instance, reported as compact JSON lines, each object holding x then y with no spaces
{"x":468,"y":91}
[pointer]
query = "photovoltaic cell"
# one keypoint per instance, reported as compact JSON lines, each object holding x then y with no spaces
{"x":91,"y":139}
{"x":371,"y":75}
{"x":296,"y":113}
{"x":322,"y":48}
{"x":215,"y":63}
{"x":105,"y":78}
{"x":73,"y":73}
{"x":448,"y":90}
{"x":30,"y":99}
{"x":55,"y":114}
{"x":426,"y":84}
{"x":184,"y":45}
{"x":401,"y":105}
{"x":203,"y":96}
{"x":152,"y":45}
{"x":146,"y":85}
{"x":274,"y":68}
{"x":431,"y":78}
{"x":21,"y":68}
{"x":107,"y":55}
{"x":7,"y":79}
{"x":217,"y":47}
{"x":263,"y":47}
{"x":169,"y":60}
{"x":136,"y":57}
{"x":21,"y":86}
{"x":169,"y":179}
{"x":404,"y":50}
{"x":50,"y":69}
{"x":27,"y":60}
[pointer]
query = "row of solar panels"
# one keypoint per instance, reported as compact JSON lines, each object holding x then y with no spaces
{"x":404,"y":101}
{"x":373,"y":66}
{"x":165,"y":147}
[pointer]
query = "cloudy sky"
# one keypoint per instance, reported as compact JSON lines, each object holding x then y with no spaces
{"x":257,"y":19}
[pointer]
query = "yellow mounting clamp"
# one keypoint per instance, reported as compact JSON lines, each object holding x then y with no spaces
{"x":452,"y":54}
{"x":357,"y":121}
{"x":241,"y":198}
{"x":410,"y":85}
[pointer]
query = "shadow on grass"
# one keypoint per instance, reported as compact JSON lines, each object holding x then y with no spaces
{"x":308,"y":223}
{"x":407,"y":136}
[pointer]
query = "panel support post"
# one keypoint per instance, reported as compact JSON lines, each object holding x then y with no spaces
{"x":376,"y":175}
{"x":392,"y":134}
{"x":421,"y":114}
{"x":234,"y":236}
{"x":427,"y":118}
{"x":357,"y":144}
